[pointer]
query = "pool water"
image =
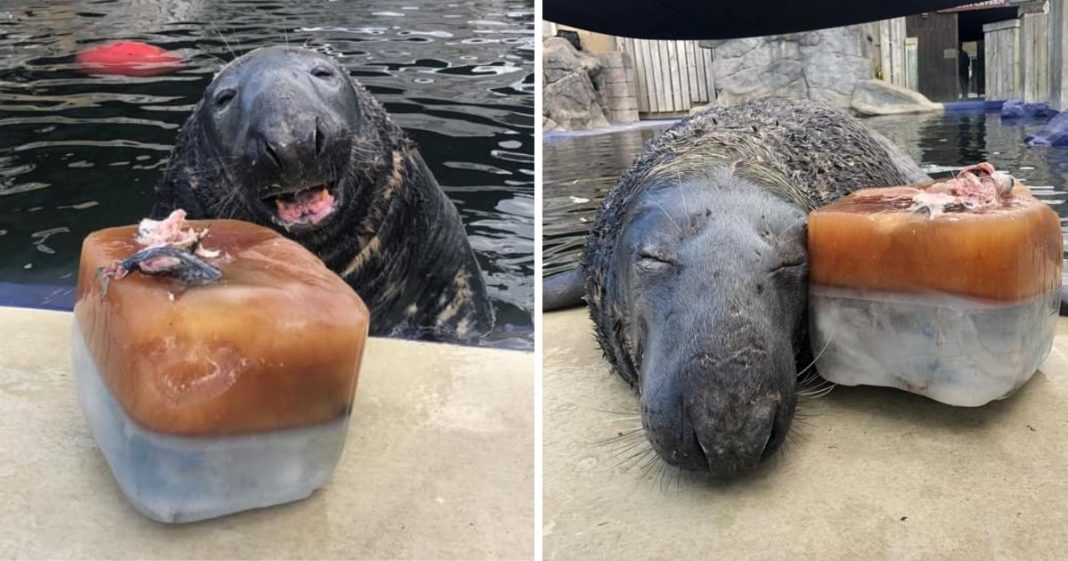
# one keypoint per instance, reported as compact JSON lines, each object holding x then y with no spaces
{"x":580,"y":169}
{"x":79,"y":153}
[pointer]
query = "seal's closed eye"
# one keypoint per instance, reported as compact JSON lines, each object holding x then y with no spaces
{"x":321,"y":71}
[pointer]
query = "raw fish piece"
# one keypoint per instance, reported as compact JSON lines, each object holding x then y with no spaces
{"x":948,"y":290}
{"x":212,"y":399}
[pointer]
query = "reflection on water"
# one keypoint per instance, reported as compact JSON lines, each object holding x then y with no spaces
{"x":79,"y":153}
{"x":580,"y":170}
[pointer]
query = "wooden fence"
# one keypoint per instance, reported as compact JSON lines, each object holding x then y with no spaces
{"x":1002,"y":54}
{"x":672,"y":76}
{"x":1034,"y":53}
{"x":1017,"y":58}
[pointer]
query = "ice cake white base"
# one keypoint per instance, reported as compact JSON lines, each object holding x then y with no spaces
{"x":184,"y":479}
{"x":954,"y":350}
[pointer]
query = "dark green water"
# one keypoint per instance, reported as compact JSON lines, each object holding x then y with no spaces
{"x":79,"y":153}
{"x":580,"y":169}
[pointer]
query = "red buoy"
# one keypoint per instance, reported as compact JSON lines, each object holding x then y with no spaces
{"x":128,"y":58}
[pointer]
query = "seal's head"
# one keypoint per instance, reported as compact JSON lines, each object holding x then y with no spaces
{"x":715,"y":288}
{"x":281,"y":123}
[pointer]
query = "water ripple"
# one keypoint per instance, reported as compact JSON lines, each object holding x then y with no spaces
{"x":84,"y":152}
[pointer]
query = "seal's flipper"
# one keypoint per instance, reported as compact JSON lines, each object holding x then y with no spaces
{"x":563,"y":290}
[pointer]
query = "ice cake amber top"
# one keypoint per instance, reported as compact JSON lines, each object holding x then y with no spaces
{"x":906,"y":239}
{"x":275,"y":343}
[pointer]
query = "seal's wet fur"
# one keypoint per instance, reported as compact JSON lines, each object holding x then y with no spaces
{"x":395,"y":236}
{"x":725,"y":339}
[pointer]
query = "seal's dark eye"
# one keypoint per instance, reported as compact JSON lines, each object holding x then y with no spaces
{"x":224,"y":96}
{"x":322,"y":72}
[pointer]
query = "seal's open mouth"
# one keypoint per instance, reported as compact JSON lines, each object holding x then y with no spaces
{"x":303,"y":207}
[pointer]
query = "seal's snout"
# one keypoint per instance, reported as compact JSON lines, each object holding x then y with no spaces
{"x":292,"y":179}
{"x":718,"y":413}
{"x":285,"y":150}
{"x":286,"y":119}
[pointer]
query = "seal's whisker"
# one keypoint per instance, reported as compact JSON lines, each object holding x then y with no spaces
{"x":661,"y":207}
{"x":818,"y":355}
{"x":801,"y":220}
{"x":621,"y":437}
{"x":627,"y":448}
{"x":623,"y":447}
{"x":814,"y":388}
{"x":634,"y":412}
{"x":816,"y":394}
{"x":624,"y":442}
{"x":649,"y":465}
{"x":631,"y":462}
{"x":215,"y":56}
{"x":665,"y":480}
{"x":225,"y":42}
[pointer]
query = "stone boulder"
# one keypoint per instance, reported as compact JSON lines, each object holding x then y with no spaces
{"x":822,"y":65}
{"x":571,"y":101}
{"x":572,"y":104}
{"x":1055,"y":133}
{"x":877,"y":97}
{"x":559,"y":58}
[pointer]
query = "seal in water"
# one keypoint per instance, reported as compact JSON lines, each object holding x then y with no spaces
{"x":284,"y":138}
{"x":696,"y":270}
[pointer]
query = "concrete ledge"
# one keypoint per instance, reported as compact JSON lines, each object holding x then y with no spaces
{"x":870,"y":474}
{"x":438,"y":464}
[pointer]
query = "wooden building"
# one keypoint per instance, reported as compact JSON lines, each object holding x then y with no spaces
{"x":951,"y":55}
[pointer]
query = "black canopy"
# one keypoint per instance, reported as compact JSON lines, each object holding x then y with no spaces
{"x":695,"y":19}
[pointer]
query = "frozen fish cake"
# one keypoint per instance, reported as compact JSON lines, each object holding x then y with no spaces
{"x":949,"y":290}
{"x":217,"y":373}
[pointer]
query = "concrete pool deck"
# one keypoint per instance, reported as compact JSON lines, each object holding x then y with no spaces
{"x":438,"y":464}
{"x":873,"y":474}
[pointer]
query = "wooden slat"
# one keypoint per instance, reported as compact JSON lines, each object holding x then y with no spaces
{"x":669,"y":65}
{"x":684,"y":77}
{"x":710,"y":76}
{"x":631,"y":47}
{"x":682,"y":99}
{"x":657,"y":79}
{"x":670,"y":76}
{"x":641,"y":69}
{"x":699,"y":87}
{"x":691,"y":73}
{"x":666,"y":91}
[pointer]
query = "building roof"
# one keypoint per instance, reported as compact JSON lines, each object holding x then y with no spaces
{"x":985,"y":5}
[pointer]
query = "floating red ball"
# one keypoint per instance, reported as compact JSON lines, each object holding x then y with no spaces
{"x":128,"y":58}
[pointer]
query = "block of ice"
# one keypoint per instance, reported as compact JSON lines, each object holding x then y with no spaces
{"x":208,"y":399}
{"x":955,"y":350}
{"x":949,"y":291}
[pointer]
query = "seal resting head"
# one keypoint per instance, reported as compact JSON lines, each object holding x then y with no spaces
{"x":715,"y":335}
{"x":696,"y":271}
{"x":283,"y":120}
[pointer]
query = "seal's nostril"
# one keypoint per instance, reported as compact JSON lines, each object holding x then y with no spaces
{"x":703,"y":457}
{"x":772,"y":442}
{"x":319,"y":144}
{"x":269,"y":150}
